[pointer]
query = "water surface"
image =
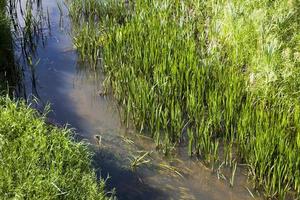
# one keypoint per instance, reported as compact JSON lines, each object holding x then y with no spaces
{"x":72,"y":89}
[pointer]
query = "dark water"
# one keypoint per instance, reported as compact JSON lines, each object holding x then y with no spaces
{"x":73,"y":92}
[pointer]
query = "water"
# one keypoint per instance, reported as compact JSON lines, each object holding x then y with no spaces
{"x":73,"y":92}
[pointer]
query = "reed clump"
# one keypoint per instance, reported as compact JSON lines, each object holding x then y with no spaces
{"x":210,"y":73}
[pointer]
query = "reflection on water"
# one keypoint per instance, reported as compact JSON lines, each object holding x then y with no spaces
{"x":73,"y":92}
{"x":9,"y":71}
{"x":29,"y":27}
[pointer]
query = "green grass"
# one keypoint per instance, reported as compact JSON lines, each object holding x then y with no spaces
{"x":40,"y":161}
{"x":212,"y":73}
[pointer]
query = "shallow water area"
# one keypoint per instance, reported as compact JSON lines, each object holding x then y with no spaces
{"x":72,"y":90}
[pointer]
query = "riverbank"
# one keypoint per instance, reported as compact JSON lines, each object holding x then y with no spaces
{"x":180,"y":80}
{"x":38,"y":160}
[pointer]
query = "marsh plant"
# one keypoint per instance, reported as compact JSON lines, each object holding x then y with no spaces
{"x":206,"y":73}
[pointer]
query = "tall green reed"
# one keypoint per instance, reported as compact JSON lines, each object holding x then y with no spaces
{"x":208,"y":73}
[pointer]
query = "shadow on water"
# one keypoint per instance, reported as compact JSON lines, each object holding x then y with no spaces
{"x":44,"y":64}
{"x":9,"y":71}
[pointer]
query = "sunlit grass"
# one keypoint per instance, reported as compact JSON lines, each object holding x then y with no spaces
{"x":40,"y":161}
{"x":209,"y":73}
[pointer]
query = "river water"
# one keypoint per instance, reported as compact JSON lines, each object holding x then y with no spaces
{"x":72,"y":90}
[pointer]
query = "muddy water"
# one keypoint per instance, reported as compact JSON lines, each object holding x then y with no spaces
{"x":73,"y":92}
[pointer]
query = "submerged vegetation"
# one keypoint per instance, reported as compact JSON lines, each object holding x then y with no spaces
{"x":220,"y":76}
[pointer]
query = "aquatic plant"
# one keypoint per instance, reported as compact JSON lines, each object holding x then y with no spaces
{"x":221,"y":76}
{"x":139,"y":160}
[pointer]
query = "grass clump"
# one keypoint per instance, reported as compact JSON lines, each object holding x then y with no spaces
{"x":39,"y":161}
{"x":209,"y":74}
